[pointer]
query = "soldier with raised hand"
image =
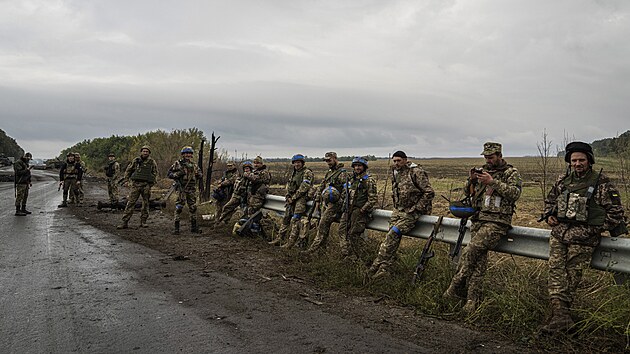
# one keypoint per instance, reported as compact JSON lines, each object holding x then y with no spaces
{"x":81,"y":184}
{"x":239,"y":196}
{"x":141,"y":173}
{"x":223,"y":193}
{"x":413,"y":196}
{"x":70,"y":176}
{"x":494,"y":190}
{"x":112,"y":172}
{"x":579,"y":207}
{"x":186,"y":174}
{"x":22,"y":174}
{"x":357,"y":209}
{"x":258,"y":186}
{"x":330,"y":207}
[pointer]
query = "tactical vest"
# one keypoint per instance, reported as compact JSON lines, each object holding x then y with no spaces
{"x":404,"y":177}
{"x":191,"y":172}
{"x":573,"y":204}
{"x":331,"y":178}
{"x":71,"y":171}
{"x":359,"y":190}
{"x":487,"y":201}
{"x":110,"y":170}
{"x":142,"y":172}
{"x":296,"y":180}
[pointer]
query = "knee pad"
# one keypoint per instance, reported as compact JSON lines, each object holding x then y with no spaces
{"x":297,"y":216}
{"x":396,"y":230}
{"x":179,"y":208}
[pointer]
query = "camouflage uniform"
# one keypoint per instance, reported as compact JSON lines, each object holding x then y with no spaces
{"x":258,"y":186}
{"x":112,"y":172}
{"x":71,"y":175}
{"x":362,"y":194}
{"x":143,"y":174}
{"x":80,"y":192}
{"x":186,"y":175}
{"x":227,"y":187}
{"x":413,"y":196}
{"x":22,"y":173}
{"x":495,"y":203}
{"x":298,"y":188}
{"x":330,"y":210}
{"x":239,"y":198}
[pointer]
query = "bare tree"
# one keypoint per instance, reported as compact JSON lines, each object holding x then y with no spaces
{"x":544,"y":161}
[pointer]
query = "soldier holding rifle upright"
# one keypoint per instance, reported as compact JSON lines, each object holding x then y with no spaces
{"x":494,"y":190}
{"x":579,"y":207}
{"x":186,"y":174}
{"x":142,"y":174}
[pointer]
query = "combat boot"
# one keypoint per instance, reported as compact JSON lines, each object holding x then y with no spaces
{"x":25,"y":211}
{"x":291,"y":241}
{"x":194,"y":228}
{"x":19,"y":212}
{"x":143,"y":223}
{"x":63,"y":204}
{"x":455,"y":292}
{"x":176,"y":229}
{"x":124,"y":225}
{"x":470,"y":307}
{"x":278,"y":239}
{"x":560,"y":320}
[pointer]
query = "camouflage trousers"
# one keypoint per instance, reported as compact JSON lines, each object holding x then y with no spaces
{"x":71,"y":187}
{"x":329,"y":214}
{"x":473,"y":263}
{"x":80,"y":193}
{"x":186,"y":197}
{"x":138,"y":189}
{"x":292,"y":219}
{"x":112,"y":190}
{"x":254,"y":203}
{"x":351,"y":239}
{"x":228,"y":209}
{"x":21,"y":194}
{"x":400,"y":223}
{"x":566,"y":265}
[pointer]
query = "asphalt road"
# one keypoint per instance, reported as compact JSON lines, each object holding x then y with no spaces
{"x":68,"y":287}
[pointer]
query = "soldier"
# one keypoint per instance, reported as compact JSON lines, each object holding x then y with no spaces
{"x":70,"y":175}
{"x":494,"y":190}
{"x":224,"y":191}
{"x":239,"y":197}
{"x":258,"y":186}
{"x":359,"y":200}
{"x":579,"y":207}
{"x":413,"y":196}
{"x":142,"y":172}
{"x":112,"y":172}
{"x":332,"y":184}
{"x":80,"y":193}
{"x":186,"y":173}
{"x":22,"y":174}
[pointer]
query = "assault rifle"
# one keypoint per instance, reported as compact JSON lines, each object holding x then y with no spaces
{"x":245,"y":228}
{"x":545,"y":216}
{"x":427,"y":252}
{"x":174,"y":187}
{"x":460,"y":238}
{"x":310,"y":214}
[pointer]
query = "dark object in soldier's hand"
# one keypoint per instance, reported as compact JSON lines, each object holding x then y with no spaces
{"x":477,"y":170}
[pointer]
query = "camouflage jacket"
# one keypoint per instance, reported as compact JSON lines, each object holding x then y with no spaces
{"x":259,"y":180}
{"x":70,"y":170}
{"x":228,"y":181}
{"x":22,"y":172}
{"x":112,"y":170}
{"x":186,"y":173}
{"x":496,"y":201}
{"x":605,"y":196}
{"x":362,"y":192}
{"x":300,"y":183}
{"x":411,"y":190}
{"x":335,"y":177}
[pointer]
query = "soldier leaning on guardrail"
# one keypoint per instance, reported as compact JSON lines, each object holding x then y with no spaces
{"x":70,"y":176}
{"x":579,"y":207}
{"x":258,"y":186}
{"x":142,"y":172}
{"x":239,"y":196}
{"x":223,"y":193}
{"x":112,"y":172}
{"x":494,"y":190}
{"x":413,"y":196}
{"x":22,"y":177}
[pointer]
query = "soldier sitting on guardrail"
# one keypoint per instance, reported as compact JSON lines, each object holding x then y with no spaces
{"x":579,"y":207}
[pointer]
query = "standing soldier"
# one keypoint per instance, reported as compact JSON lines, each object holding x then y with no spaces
{"x":332,"y":184}
{"x":494,"y":190}
{"x":579,"y":207}
{"x":22,"y":174}
{"x":186,"y":173}
{"x":112,"y":172}
{"x":142,"y":172}
{"x":80,"y":193}
{"x":239,"y":197}
{"x":70,"y":175}
{"x":223,"y":193}
{"x":413,"y":196}
{"x":258,"y":185}
{"x":358,"y":201}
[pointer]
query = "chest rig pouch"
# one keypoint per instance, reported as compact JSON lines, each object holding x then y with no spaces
{"x":576,"y":202}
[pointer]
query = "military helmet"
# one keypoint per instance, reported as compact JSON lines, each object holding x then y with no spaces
{"x":578,"y":146}
{"x":111,"y":154}
{"x":187,"y":150}
{"x":248,"y":164}
{"x":76,"y":154}
{"x":360,"y":160}
{"x":28,"y":155}
{"x":70,"y":154}
{"x":298,"y":157}
{"x":145,"y":147}
{"x":461,"y":209}
{"x":330,"y":194}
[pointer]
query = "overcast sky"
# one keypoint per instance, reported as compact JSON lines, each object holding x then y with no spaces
{"x":434,"y":78}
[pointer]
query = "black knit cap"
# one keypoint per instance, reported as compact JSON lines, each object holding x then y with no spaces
{"x":578,"y":146}
{"x":400,"y":154}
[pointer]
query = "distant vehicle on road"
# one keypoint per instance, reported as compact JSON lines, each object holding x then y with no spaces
{"x":5,"y":161}
{"x":38,"y":164}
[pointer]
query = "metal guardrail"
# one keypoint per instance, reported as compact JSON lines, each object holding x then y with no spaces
{"x":613,"y":254}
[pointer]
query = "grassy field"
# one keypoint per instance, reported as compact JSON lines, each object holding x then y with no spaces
{"x":516,"y":300}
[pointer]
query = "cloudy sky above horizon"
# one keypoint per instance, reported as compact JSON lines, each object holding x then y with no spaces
{"x":433,"y":78}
